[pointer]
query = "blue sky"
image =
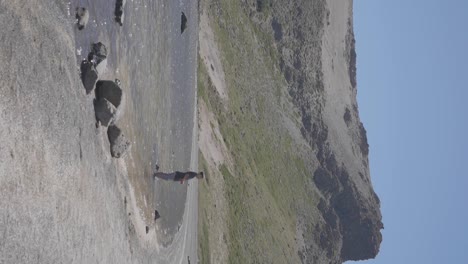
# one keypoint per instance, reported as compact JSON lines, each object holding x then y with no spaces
{"x":412,"y":93}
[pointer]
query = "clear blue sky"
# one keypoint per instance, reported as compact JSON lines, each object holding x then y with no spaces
{"x":413,"y":93}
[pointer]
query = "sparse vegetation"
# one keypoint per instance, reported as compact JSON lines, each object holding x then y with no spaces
{"x":268,"y":183}
{"x":277,"y":142}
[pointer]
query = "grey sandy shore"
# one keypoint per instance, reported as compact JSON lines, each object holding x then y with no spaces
{"x":61,"y":193}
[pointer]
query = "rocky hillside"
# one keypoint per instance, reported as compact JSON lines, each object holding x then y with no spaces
{"x":280,"y":135}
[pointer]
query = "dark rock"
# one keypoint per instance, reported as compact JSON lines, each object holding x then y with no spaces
{"x":105,"y":111}
{"x":360,"y":224}
{"x":119,"y":11}
{"x":98,"y":53}
{"x":347,"y":116}
{"x":325,"y":182}
{"x":156,"y":215}
{"x":119,"y":144}
{"x":82,"y":14}
{"x":109,"y":90}
{"x":183,"y":24}
{"x":89,"y":75}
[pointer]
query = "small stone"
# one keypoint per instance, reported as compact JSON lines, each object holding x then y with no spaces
{"x":82,"y":14}
{"x":98,"y":53}
{"x":119,"y":144}
{"x":119,"y":11}
{"x":183,"y":24}
{"x":156,"y":215}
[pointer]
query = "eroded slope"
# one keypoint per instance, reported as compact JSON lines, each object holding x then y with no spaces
{"x":298,"y":187}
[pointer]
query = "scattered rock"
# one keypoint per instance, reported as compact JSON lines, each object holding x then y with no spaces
{"x":156,"y":215}
{"x":98,"y":53}
{"x":89,"y":75}
{"x":183,"y":24}
{"x":105,"y":111}
{"x":119,"y":11}
{"x":109,"y":90}
{"x":119,"y":144}
{"x":82,"y":14}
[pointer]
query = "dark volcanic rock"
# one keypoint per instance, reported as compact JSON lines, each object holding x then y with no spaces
{"x":89,"y":75}
{"x":360,"y":224}
{"x":119,"y":11}
{"x":109,"y":90}
{"x":119,"y":144}
{"x":98,"y":53}
{"x":183,"y":24}
{"x":82,"y":15}
{"x":105,"y":111}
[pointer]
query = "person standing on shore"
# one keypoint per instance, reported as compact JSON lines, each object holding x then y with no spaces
{"x":178,"y":176}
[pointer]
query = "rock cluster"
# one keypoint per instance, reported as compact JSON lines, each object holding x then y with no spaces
{"x":94,"y":66}
{"x":109,"y":97}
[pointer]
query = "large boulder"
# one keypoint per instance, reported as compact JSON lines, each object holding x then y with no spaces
{"x":119,"y":144}
{"x":82,"y":16}
{"x":109,"y":90}
{"x":89,"y":75}
{"x":119,"y":11}
{"x":105,"y":112}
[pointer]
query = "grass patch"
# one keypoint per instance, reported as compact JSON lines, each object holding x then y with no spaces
{"x":203,"y":198}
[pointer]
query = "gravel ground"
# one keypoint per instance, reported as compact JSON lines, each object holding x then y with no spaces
{"x":61,"y":194}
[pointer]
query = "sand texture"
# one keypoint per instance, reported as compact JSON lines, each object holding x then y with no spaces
{"x":63,"y":198}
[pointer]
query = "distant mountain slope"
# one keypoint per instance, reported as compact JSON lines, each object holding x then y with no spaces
{"x":280,"y":135}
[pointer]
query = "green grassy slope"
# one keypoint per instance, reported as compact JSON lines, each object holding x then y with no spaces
{"x":269,"y":182}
